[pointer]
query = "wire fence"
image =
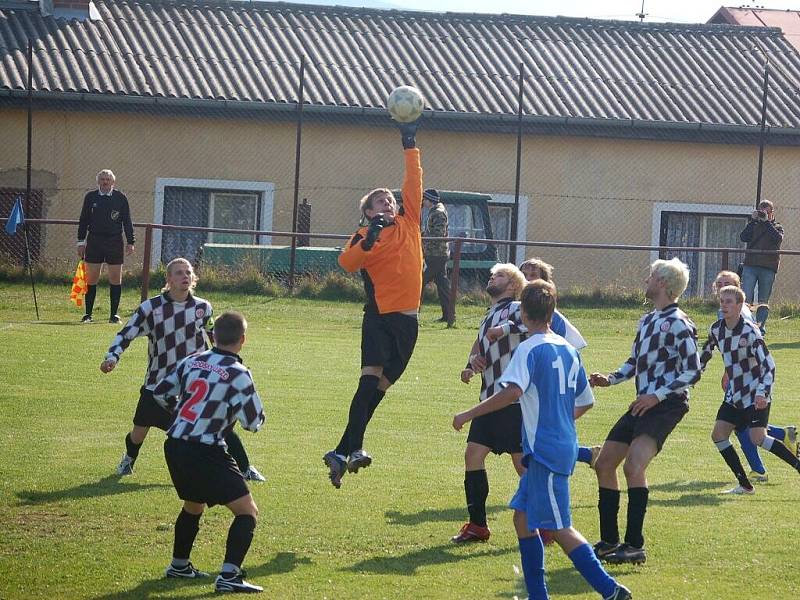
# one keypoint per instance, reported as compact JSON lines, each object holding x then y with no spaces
{"x":279,"y":189}
{"x":284,"y":262}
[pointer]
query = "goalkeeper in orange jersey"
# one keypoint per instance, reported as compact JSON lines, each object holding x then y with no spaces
{"x":388,"y":253}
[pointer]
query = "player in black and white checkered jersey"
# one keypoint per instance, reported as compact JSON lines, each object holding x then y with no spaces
{"x":751,"y":374}
{"x":214,"y":390}
{"x":499,"y":432}
{"x":665,"y":363}
{"x":177,"y":324}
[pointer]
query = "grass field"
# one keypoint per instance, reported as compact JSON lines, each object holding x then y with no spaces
{"x":71,"y":530}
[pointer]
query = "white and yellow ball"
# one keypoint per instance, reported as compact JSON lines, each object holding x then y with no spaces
{"x":405,"y":104}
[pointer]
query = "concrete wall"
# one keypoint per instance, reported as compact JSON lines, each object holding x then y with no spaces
{"x":577,"y":189}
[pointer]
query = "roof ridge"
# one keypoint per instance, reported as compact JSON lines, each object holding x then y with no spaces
{"x":260,"y":5}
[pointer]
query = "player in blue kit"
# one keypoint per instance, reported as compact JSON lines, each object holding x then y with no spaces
{"x":546,"y":376}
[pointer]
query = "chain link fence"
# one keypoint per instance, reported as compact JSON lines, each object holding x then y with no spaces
{"x":230,"y":186}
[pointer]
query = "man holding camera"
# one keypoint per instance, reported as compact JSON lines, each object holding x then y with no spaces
{"x":388,"y":253}
{"x":761,"y":233}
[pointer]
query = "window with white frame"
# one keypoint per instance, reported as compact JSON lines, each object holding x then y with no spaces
{"x":500,"y":217}
{"x":209,"y":203}
{"x":501,"y":211}
{"x":704,"y":230}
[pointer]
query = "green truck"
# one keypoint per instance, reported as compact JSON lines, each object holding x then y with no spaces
{"x":468,"y":216}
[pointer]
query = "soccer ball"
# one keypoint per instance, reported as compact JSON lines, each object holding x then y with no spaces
{"x":405,"y":104}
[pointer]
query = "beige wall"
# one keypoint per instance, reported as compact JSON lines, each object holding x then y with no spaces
{"x":579,"y":189}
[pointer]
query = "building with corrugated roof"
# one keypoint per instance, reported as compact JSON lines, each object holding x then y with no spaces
{"x":634,"y":133}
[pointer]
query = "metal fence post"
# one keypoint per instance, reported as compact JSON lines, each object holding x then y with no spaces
{"x":451,"y":316}
{"x":298,"y":141}
{"x":148,"y":243}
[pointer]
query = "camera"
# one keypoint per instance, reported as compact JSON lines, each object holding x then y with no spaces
{"x":762,"y":215}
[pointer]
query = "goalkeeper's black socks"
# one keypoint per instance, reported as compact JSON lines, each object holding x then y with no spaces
{"x":359,"y":415}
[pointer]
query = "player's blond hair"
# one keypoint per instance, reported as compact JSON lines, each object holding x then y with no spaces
{"x":675,"y":275}
{"x":726,"y":275}
{"x":366,"y":201}
{"x":545,"y":269}
{"x":515,"y":277}
{"x":732,"y":290}
{"x":180,"y":261}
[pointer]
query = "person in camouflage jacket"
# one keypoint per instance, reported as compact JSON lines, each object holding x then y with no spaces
{"x":436,"y":251}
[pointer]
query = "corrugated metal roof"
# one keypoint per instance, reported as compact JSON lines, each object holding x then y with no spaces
{"x":464,"y":63}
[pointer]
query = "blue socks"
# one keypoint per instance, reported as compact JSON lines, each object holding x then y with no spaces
{"x":750,"y":451}
{"x":531,"y":552}
{"x":779,"y":433}
{"x":592,"y":571}
{"x":585,"y":455}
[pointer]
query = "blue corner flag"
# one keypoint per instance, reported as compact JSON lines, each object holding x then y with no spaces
{"x":16,"y":218}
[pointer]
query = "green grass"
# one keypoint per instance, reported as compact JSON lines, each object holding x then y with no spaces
{"x":72,"y":531}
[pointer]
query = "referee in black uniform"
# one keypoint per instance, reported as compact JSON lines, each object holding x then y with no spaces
{"x":104,"y":215}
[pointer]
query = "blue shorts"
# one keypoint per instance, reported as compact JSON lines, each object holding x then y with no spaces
{"x":544,"y":497}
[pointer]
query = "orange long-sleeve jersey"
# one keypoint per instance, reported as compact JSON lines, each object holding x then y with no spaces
{"x":392,"y":269}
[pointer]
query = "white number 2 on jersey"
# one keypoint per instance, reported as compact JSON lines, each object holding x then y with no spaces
{"x":571,"y":380}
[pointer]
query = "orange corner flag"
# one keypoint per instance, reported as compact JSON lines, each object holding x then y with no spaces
{"x":79,"y":285}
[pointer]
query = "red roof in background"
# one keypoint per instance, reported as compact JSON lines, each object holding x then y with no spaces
{"x":787,"y":20}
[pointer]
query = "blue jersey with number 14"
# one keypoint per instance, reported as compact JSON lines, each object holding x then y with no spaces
{"x":553,"y":382}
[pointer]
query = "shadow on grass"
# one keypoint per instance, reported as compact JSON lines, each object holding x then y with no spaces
{"x":785,"y":346}
{"x":46,"y":323}
{"x":432,"y":515}
{"x":566,"y":581}
{"x":107,"y":486}
{"x":693,"y":493}
{"x":407,"y":564}
{"x":284,"y":562}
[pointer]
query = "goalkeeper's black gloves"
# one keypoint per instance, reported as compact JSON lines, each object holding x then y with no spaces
{"x":408,"y":131}
{"x":375,"y":226}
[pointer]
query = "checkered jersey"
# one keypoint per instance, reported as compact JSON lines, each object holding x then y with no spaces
{"x":498,"y":354}
{"x":214,"y":390}
{"x":748,"y":363}
{"x":664,"y":357}
{"x":174,"y":331}
{"x":560,"y":325}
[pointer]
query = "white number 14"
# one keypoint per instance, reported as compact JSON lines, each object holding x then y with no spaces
{"x":571,"y":380}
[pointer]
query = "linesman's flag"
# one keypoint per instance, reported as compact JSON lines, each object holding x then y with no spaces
{"x":16,"y":218}
{"x":79,"y":285}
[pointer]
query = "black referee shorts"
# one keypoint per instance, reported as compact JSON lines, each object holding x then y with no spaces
{"x":658,"y":423}
{"x":743,"y":418}
{"x":500,"y":431}
{"x":388,"y":341}
{"x":150,"y":413}
{"x":104,"y":249}
{"x":203,"y":473}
